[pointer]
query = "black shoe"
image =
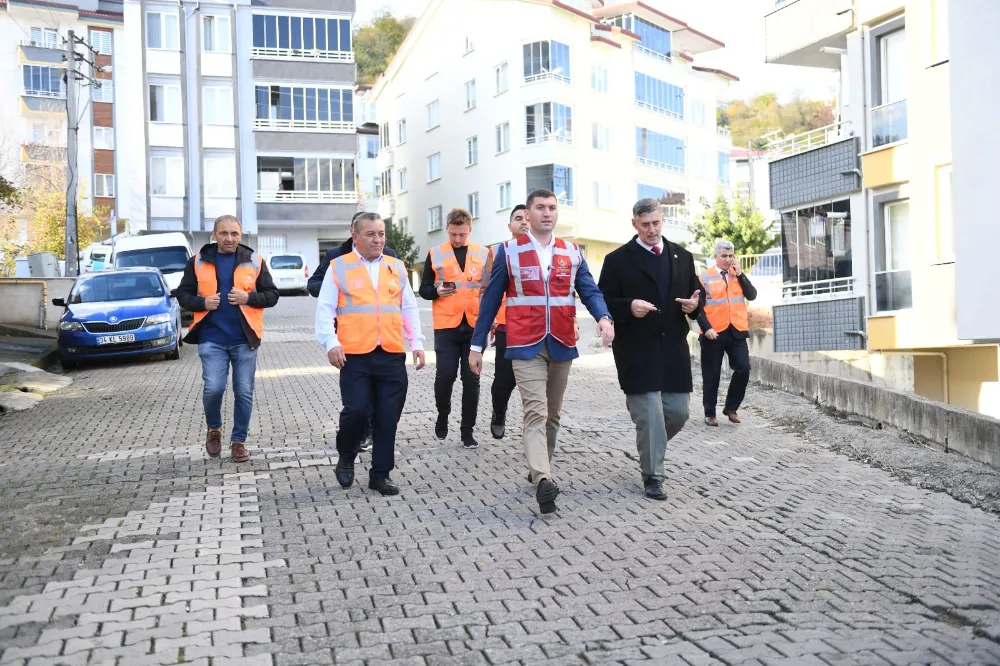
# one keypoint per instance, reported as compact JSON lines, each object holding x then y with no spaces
{"x":529,"y":476}
{"x":345,"y":474}
{"x":441,"y":428}
{"x":469,"y":442}
{"x":498,"y":425}
{"x":546,"y":494}
{"x":365,"y":445}
{"x":384,"y":486}
{"x":654,"y":490}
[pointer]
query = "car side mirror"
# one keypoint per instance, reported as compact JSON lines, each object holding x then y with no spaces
{"x":60,"y":302}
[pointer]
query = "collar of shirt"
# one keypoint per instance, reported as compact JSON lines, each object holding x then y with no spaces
{"x":649,"y":248}
{"x":544,"y":253}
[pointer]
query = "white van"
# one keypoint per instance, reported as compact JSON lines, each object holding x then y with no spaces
{"x":95,"y":258}
{"x":168,"y":251}
{"x":289,"y":271}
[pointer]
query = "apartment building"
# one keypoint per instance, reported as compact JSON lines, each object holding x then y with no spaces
{"x":871,"y":229}
{"x":247,"y":109}
{"x":487,"y":100}
{"x":33,"y":118}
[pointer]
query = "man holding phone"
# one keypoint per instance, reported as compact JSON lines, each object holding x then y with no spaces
{"x":452,"y":276}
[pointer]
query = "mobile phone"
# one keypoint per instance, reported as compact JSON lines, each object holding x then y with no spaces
{"x":448,"y":285}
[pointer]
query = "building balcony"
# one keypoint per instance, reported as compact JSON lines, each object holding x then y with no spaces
{"x":800,"y":143}
{"x":302,"y":54}
{"x":546,"y":75}
{"x":818,"y":290}
{"x":663,"y":166}
{"x":42,"y":153}
{"x":796,"y":30}
{"x":295,"y":196}
{"x":288,"y":125}
{"x":42,"y":53}
{"x":550,"y":137}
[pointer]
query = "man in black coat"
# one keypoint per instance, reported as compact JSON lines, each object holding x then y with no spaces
{"x":650,"y":284}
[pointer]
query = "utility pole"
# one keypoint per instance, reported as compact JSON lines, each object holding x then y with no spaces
{"x":72,"y":249}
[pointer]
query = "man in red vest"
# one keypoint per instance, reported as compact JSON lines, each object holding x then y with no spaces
{"x":724,"y":322}
{"x":537,"y":274}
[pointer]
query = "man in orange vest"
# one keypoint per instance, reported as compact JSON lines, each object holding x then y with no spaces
{"x":504,"y":381}
{"x":227,"y":329}
{"x":453,"y":273}
{"x":725,"y":325}
{"x":538,"y":274}
{"x":368,"y":296}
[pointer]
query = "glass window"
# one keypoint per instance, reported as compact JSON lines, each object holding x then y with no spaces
{"x":297,"y":32}
{"x":555,"y":177}
{"x":100,"y":40}
{"x":323,"y":104}
{"x":104,"y":185}
{"x":654,"y":38}
{"x":401,"y":131}
{"x":332,"y":36}
{"x":546,"y":59}
{"x":892,"y":258}
{"x":723,"y":167}
{"x":659,"y":150}
{"x":166,"y":176}
{"x":298,"y":104}
{"x":433,"y":110}
{"x":889,"y":118}
{"x":161,"y":31}
{"x":503,"y":137}
{"x":165,"y":103}
{"x":433,"y":167}
{"x":218,"y":104}
{"x":215,"y":33}
{"x":371,"y":146}
{"x":336,"y":113}
{"x":470,"y":94}
{"x":599,"y":79}
{"x":500,"y":76}
{"x":105,"y":92}
{"x":504,"y":196}
{"x":308,"y":36}
{"x":434,"y":220}
{"x":104,"y":138}
{"x":402,"y":180}
{"x":285,"y":262}
{"x":345,"y":34}
{"x":284,"y":32}
{"x":106,"y":287}
{"x":659,"y":95}
{"x":271,"y":32}
{"x":547,"y":121}
{"x":473,"y":205}
{"x":321,"y":34}
{"x":220,"y":176}
{"x":258,"y":31}
{"x":310,"y":104}
{"x":602,"y":137}
{"x":471,"y":151}
{"x":602,"y":195}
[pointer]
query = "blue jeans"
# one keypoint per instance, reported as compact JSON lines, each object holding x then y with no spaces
{"x":215,"y":361}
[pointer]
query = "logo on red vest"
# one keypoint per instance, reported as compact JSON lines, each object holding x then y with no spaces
{"x":531,"y":273}
{"x":560,"y":260}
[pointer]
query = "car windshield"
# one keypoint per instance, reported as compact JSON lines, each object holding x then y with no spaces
{"x":283,"y":261}
{"x":167,"y":259}
{"x":98,"y":256}
{"x":116,"y":287}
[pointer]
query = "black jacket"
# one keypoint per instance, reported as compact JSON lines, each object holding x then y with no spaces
{"x":651,"y":353}
{"x":264,"y":296}
{"x":316,"y":280}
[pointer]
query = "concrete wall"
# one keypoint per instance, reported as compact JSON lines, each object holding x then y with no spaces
{"x":814,"y":175}
{"x":22,"y":302}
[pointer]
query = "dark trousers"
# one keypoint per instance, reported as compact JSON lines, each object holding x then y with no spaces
{"x":373,"y":383}
{"x":504,"y":382}
{"x":452,"y":349}
{"x":712,"y":351}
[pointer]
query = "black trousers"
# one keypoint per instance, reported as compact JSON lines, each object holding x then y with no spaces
{"x":452,"y":349}
{"x":373,"y":383}
{"x":504,"y":382}
{"x":712,"y":351}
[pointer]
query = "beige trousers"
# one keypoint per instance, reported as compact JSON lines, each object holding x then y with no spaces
{"x":542,"y":383}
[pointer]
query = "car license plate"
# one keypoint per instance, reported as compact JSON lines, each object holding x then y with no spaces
{"x":287,"y":280}
{"x":115,"y":339}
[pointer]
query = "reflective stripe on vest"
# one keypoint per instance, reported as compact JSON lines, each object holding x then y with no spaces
{"x":536,"y":306}
{"x":448,"y":312}
{"x":367,"y":319}
{"x":725,"y":304}
{"x":244,"y":278}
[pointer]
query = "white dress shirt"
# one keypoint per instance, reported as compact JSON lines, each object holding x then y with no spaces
{"x":544,"y":253}
{"x":649,"y":248}
{"x":329,"y":294}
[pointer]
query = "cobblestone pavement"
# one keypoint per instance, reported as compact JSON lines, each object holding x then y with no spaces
{"x":122,"y":543}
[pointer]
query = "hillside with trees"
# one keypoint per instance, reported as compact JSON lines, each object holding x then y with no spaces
{"x":752,"y":119}
{"x":375,"y":44}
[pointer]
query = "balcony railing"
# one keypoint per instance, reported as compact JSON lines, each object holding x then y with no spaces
{"x":650,"y":52}
{"x":297,"y":196}
{"x":44,"y":44}
{"x":817,"y":290}
{"x":645,"y":161}
{"x":761,"y":265}
{"x":659,"y":109}
{"x":288,"y":125}
{"x":889,"y":123}
{"x":40,"y":152}
{"x":27,"y":92}
{"x":546,"y":75}
{"x":302,"y":54}
{"x":817,"y":138}
{"x":549,"y":136}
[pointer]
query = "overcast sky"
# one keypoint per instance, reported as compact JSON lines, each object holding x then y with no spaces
{"x":738,"y":23}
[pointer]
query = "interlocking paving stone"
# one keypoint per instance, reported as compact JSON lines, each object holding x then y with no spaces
{"x":121,"y":542}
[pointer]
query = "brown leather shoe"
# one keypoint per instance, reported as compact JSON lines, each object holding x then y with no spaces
{"x":213,"y":442}
{"x":733,"y":418}
{"x":240,"y":453}
{"x":711,"y":421}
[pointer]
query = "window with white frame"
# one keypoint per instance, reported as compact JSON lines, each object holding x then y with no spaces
{"x":602,"y":137}
{"x":698,"y":112}
{"x":433,"y":167}
{"x":161,"y":31}
{"x":164,"y":103}
{"x":401,"y":131}
{"x":218,"y":105}
{"x":402,"y":180}
{"x":434,"y":219}
{"x":166,"y":176}
{"x":215,"y":33}
{"x":503,"y":196}
{"x":301,"y":37}
{"x":104,"y":185}
{"x":503,"y":137}
{"x":43,"y":81}
{"x":472,"y":151}
{"x":470,"y":94}
{"x":384,"y":188}
{"x":46,"y":135}
{"x":46,"y":38}
{"x":383,"y":135}
{"x":404,"y":224}
{"x":298,"y":106}
{"x":103,"y":93}
{"x":104,"y":138}
{"x":599,"y":79}
{"x":220,"y":176}
{"x":500,"y":77}
{"x":547,"y":121}
{"x":893,"y":287}
{"x":433,"y":114}
{"x":473,"y":201}
{"x":602,"y":196}
{"x":100,"y":41}
{"x":889,"y":118}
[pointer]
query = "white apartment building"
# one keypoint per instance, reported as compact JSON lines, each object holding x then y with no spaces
{"x":246,"y":108}
{"x":487,"y":100}
{"x":33,"y":118}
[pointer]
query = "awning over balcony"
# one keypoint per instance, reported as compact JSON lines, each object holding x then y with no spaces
{"x":43,"y":104}
{"x":683,"y":36}
{"x":40,"y":55}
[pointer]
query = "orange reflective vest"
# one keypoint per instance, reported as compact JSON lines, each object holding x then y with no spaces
{"x":725,"y":304}
{"x":367,"y":319}
{"x":244,"y":278}
{"x":448,"y":312}
{"x":537,"y":307}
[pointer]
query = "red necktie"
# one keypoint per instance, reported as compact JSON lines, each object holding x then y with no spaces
{"x":657,"y":250}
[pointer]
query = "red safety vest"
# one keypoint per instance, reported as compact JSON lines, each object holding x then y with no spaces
{"x":536,"y":307}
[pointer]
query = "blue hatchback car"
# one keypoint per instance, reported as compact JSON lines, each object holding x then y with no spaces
{"x":117,"y":313}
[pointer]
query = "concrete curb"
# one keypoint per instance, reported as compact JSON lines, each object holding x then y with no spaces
{"x":47,"y":360}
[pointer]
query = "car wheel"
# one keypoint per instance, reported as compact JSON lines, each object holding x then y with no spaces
{"x":175,"y":354}
{"x":68,"y":365}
